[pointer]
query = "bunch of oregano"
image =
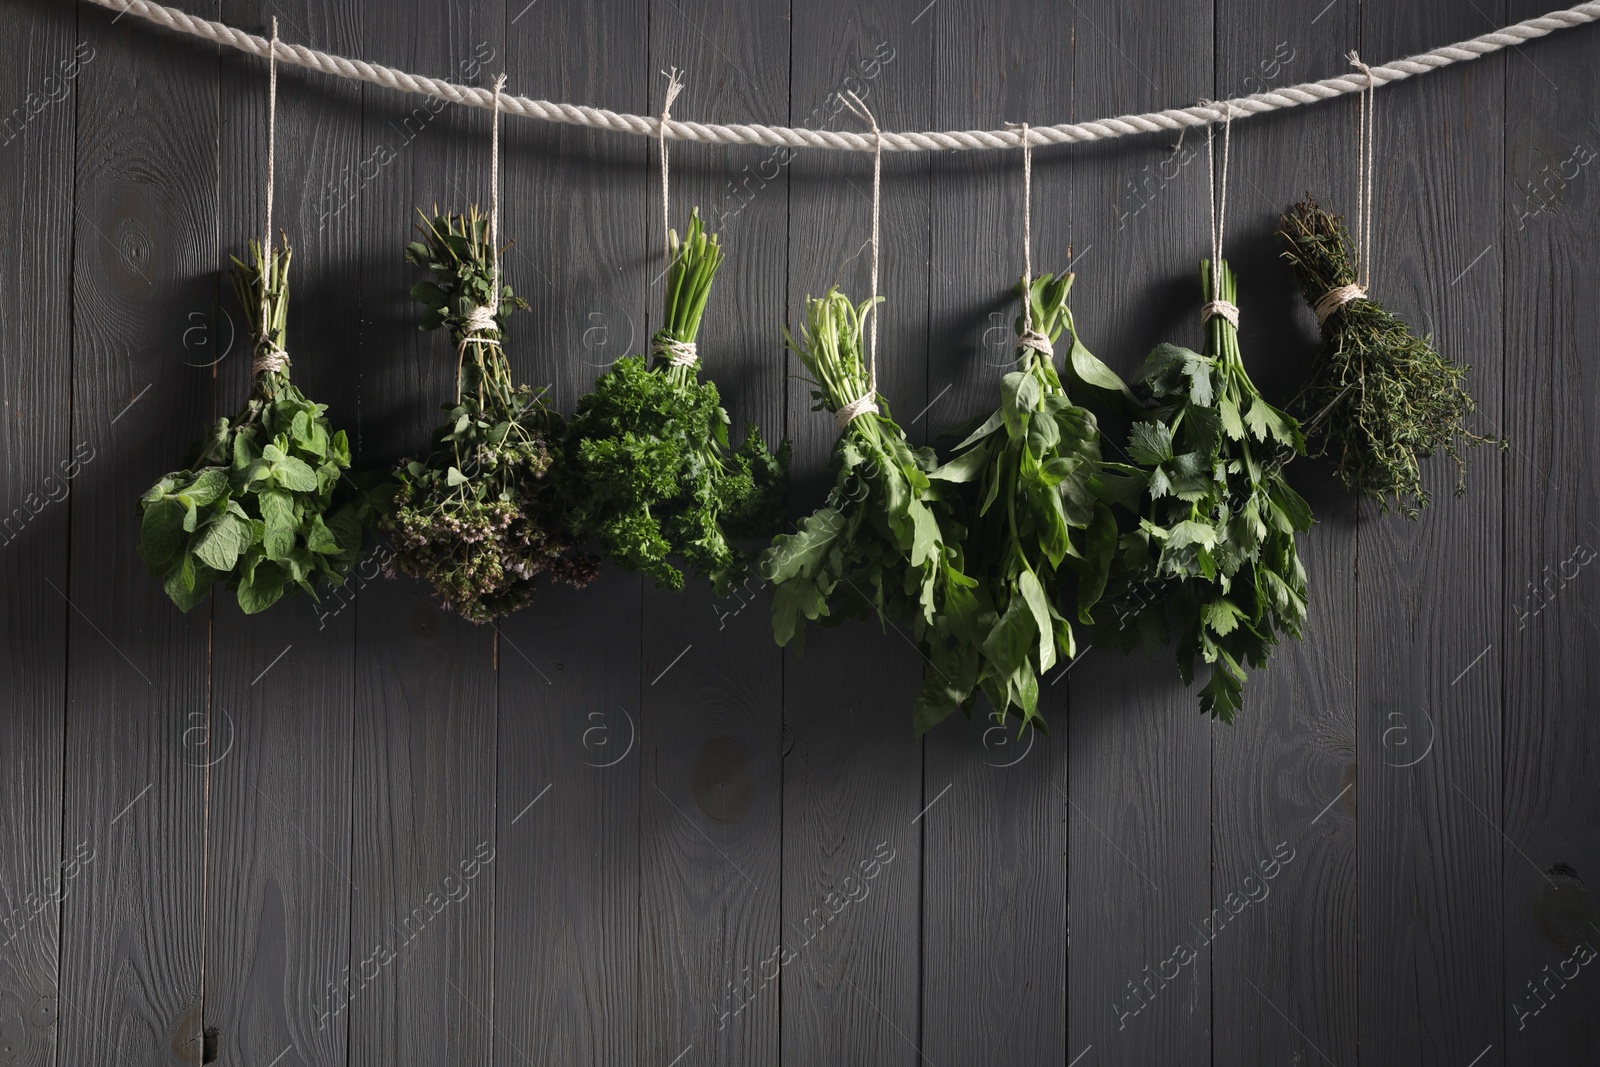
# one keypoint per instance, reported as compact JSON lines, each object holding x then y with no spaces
{"x":886,"y":543}
{"x":1043,"y":511}
{"x":1214,"y":556}
{"x":649,"y":468}
{"x":262,"y":505}
{"x":1385,"y":396}
{"x":480,"y":518}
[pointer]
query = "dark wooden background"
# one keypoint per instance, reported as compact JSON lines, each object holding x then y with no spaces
{"x":370,"y":833}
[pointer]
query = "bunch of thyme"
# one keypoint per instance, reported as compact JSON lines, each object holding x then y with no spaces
{"x":1384,"y":397}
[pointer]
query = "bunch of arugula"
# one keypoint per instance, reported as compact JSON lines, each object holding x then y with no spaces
{"x":1214,"y":557}
{"x":1383,"y":395}
{"x":649,"y":468}
{"x":886,"y":543}
{"x":480,"y":518}
{"x":1043,"y":511}
{"x":262,"y":504}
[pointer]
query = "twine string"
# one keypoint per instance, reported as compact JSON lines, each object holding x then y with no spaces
{"x":677,"y":353}
{"x":1340,"y":295}
{"x":1031,"y":338}
{"x":1217,"y":307}
{"x":674,"y":87}
{"x":269,"y":358}
{"x":484,"y":319}
{"x":868,"y":401}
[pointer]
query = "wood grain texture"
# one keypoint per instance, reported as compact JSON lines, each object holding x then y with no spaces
{"x":1283,"y":837}
{"x":1550,"y":855}
{"x":277,"y":751}
{"x":1429,"y":849}
{"x":423,"y":844}
{"x":1139,"y":770}
{"x":144,"y":255}
{"x":568,"y":970}
{"x":853,"y":771}
{"x":994,"y":895}
{"x":711,"y":696}
{"x":37,"y":457}
{"x":623,"y":828}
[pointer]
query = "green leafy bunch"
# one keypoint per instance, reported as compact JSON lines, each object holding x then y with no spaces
{"x":1043,"y":512}
{"x":481,"y":518}
{"x":262,"y":505}
{"x":886,"y":543}
{"x":650,"y":470}
{"x":1379,"y":397}
{"x":1214,"y":556}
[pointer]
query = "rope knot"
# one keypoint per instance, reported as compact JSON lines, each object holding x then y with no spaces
{"x":678,"y":353}
{"x":1038,"y":342}
{"x":1336,"y":298}
{"x":1220,"y":309}
{"x":862,"y":405}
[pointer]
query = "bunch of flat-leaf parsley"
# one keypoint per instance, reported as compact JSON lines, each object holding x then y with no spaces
{"x":1214,"y":556}
{"x":649,"y":468}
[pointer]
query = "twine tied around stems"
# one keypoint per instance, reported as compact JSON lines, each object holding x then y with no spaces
{"x":1030,"y":337}
{"x":269,"y":357}
{"x":867,"y":402}
{"x":678,"y":353}
{"x":1339,"y":296}
{"x":1217,"y":307}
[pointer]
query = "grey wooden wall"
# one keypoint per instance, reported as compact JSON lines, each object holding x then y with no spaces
{"x":624,"y":828}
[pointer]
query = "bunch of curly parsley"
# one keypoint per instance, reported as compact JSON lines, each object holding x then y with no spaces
{"x":649,"y":470}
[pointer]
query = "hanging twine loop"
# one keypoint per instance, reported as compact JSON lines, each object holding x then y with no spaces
{"x":484,"y":319}
{"x":1217,"y":307}
{"x":677,"y":353}
{"x":1338,"y":297}
{"x":1030,"y":338}
{"x":868,"y":402}
{"x":269,"y":357}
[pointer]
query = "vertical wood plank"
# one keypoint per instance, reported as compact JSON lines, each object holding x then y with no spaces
{"x":711,"y":684}
{"x":1139,"y":757}
{"x":994,"y":926}
{"x":1550,"y":854}
{"x":277,"y":747}
{"x":41,"y":460}
{"x":144,"y":257}
{"x":1429,"y":851}
{"x":853,"y":770}
{"x":567,"y":965}
{"x":1284,"y":964}
{"x":419,"y":984}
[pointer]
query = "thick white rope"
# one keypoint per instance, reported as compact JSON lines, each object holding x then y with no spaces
{"x":751,"y":134}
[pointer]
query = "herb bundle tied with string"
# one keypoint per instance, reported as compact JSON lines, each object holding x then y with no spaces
{"x":1380,"y":398}
{"x":264,"y":503}
{"x":481,"y":517}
